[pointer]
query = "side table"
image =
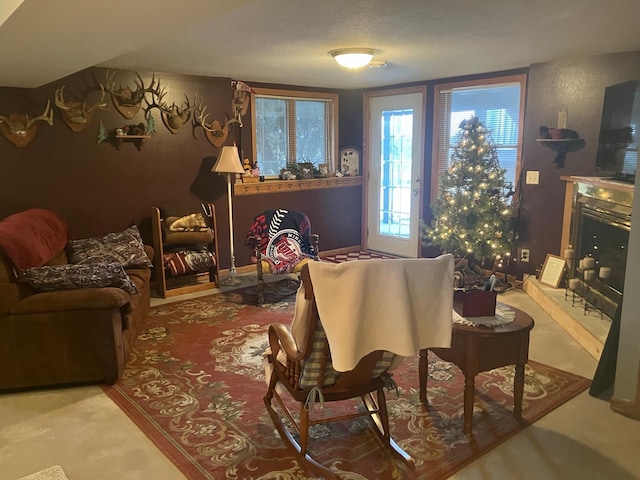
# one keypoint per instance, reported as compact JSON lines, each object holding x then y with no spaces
{"x":476,"y":349}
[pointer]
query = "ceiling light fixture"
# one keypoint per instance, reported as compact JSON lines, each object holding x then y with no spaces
{"x":354,"y":57}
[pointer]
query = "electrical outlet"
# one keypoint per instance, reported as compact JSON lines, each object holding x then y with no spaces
{"x":524,"y":255}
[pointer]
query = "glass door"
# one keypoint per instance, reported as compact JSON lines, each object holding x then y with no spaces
{"x":395,"y":146}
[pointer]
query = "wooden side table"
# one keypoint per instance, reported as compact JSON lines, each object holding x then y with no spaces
{"x":479,"y":349}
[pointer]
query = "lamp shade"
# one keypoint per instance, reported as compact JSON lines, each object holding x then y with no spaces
{"x":353,"y":57}
{"x":228,"y":161}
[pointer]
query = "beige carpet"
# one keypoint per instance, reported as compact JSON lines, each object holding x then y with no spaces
{"x":51,"y":473}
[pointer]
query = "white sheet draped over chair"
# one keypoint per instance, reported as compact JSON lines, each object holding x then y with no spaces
{"x":397,"y":305}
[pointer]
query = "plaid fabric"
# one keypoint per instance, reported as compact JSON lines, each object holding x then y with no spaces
{"x":311,"y":367}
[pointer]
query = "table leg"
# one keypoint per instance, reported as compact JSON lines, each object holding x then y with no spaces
{"x":518,"y":391}
{"x":423,"y":369}
{"x":469,"y":395}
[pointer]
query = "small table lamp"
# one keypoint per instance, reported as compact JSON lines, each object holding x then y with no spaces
{"x":229,"y":162}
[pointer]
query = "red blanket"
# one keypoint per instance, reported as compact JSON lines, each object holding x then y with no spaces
{"x":33,"y":237}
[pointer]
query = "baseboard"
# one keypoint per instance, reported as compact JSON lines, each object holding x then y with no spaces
{"x":626,"y":408}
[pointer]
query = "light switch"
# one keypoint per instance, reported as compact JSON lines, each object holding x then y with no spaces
{"x":533,"y":177}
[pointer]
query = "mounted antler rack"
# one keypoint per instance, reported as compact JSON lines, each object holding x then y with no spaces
{"x":19,"y":129}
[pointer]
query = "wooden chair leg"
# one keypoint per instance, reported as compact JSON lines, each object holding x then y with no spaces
{"x":300,"y":448}
{"x":260,"y":283}
{"x":380,"y":417}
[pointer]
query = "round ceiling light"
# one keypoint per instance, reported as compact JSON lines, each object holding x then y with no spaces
{"x":354,"y":57}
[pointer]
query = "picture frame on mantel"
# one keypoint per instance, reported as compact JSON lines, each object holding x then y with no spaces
{"x":553,"y":270}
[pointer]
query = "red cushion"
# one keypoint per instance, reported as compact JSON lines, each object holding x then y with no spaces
{"x":31,"y":238}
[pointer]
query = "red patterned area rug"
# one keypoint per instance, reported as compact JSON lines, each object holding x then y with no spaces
{"x":195,"y":386}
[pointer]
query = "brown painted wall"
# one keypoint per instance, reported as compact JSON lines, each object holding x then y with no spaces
{"x":98,"y":188}
{"x":576,"y":86}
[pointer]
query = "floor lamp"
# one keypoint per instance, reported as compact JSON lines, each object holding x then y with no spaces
{"x":229,"y":162}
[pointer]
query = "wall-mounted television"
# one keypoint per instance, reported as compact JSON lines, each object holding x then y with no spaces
{"x":618,"y":142}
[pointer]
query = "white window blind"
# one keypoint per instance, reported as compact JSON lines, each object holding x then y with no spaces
{"x":294,"y":129}
{"x":497,"y":104}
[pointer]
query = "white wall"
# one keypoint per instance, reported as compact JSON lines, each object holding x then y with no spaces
{"x":626,"y":382}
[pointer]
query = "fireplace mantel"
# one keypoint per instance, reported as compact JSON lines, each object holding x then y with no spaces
{"x":601,"y":182}
{"x":597,"y":187}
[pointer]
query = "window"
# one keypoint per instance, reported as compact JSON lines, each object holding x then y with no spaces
{"x":294,"y":127}
{"x":498,"y":102}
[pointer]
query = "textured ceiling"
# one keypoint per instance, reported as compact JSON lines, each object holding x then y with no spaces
{"x":286,"y":41}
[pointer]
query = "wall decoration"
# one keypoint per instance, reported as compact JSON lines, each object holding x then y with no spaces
{"x":349,"y":161}
{"x":173,"y":116}
{"x":241,"y":93}
{"x":216,"y":132}
{"x":561,"y":141}
{"x":76,"y":114}
{"x":19,"y":129}
{"x":127,"y":100}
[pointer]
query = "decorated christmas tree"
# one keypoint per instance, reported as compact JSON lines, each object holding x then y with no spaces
{"x":472,"y":215}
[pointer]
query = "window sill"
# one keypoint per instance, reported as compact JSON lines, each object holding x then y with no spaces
{"x":279,"y":186}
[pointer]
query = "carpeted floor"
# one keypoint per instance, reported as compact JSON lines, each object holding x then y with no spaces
{"x":195,"y":386}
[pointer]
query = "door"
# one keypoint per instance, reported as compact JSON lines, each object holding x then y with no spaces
{"x":394,"y":158}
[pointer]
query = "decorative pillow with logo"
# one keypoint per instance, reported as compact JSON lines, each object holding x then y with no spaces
{"x":125,"y":247}
{"x":182,"y":262}
{"x":70,"y":277}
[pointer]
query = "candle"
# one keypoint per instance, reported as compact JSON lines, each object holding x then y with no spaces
{"x":605,"y":272}
{"x":589,"y":275}
{"x":581,"y":264}
{"x":574,"y":283}
{"x":589,"y":262}
{"x":569,"y":253}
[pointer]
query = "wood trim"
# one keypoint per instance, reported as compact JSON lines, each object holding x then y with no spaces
{"x":366,"y":113}
{"x":567,"y":216}
{"x":300,"y":94}
{"x":281,"y":186}
{"x":435,"y":146}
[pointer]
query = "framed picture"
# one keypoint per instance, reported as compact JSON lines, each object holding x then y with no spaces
{"x":324,"y":169}
{"x":306,"y":170}
{"x":552,"y":270}
{"x":286,"y":174}
{"x":349,"y":161}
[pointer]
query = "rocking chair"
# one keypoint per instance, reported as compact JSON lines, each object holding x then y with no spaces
{"x":301,"y":359}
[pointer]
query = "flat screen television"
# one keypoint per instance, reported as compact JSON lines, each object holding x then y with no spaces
{"x":618,"y":142}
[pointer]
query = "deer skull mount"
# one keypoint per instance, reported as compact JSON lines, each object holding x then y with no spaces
{"x":216,"y":132}
{"x":127,"y":100}
{"x":75,"y":114}
{"x":241,"y":99}
{"x":173,"y":116}
{"x":19,"y":129}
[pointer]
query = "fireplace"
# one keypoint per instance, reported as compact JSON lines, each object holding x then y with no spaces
{"x":600,"y":221}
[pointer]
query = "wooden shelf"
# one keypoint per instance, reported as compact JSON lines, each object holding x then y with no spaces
{"x":280,"y":186}
{"x":137,"y":140}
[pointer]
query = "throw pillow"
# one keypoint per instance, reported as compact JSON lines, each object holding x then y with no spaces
{"x":70,"y":277}
{"x":124,"y":247}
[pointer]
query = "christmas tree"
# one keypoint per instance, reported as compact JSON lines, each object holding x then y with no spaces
{"x":472,"y":215}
